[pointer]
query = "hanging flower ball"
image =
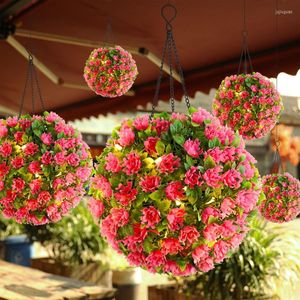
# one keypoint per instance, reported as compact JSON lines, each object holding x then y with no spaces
{"x":110,"y":71}
{"x":282,"y":197}
{"x":248,"y":103}
{"x":44,"y":166}
{"x":173,"y":193}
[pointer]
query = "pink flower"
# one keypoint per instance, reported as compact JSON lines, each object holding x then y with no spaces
{"x":112,"y":163}
{"x":150,"y":216}
{"x":200,"y":116}
{"x":141,"y":123}
{"x":155,"y":259}
{"x":150,"y":183}
{"x":53,"y":213}
{"x":47,"y":158}
{"x":160,"y":125}
{"x":228,"y":229}
{"x":169,"y":163}
{"x":176,"y":218}
{"x":221,"y":249}
{"x":188,"y":235}
{"x":44,"y":197}
{"x":5,"y":149}
{"x":170,"y":246}
{"x":17,"y":162}
{"x":18,"y":185}
{"x":126,"y":194}
{"x":73,"y":159}
{"x":192,"y":177}
{"x":232,"y":178}
{"x":132,"y":163}
{"x":212,"y":177}
{"x":83,"y":173}
{"x":108,"y":228}
{"x":208,"y":213}
{"x":35,"y":185}
{"x":192,"y":147}
{"x":4,"y":169}
{"x":1,"y":185}
{"x":120,"y":216}
{"x":136,"y":259}
{"x":206,"y":264}
{"x":31,"y":148}
{"x":12,"y":121}
{"x":96,"y":207}
{"x":227,"y":206}
{"x":211,"y":232}
{"x":99,"y":182}
{"x":174,"y":190}
{"x":34,"y":167}
{"x":59,"y":158}
{"x":179,"y":116}
{"x":52,"y":117}
{"x":47,"y":138}
{"x":3,"y":131}
{"x":126,"y":136}
{"x":150,"y":144}
{"x":200,"y":253}
{"x":236,"y":240}
{"x":247,"y":199}
{"x":19,"y":136}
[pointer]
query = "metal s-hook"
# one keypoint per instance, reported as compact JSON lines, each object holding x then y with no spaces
{"x":172,"y":17}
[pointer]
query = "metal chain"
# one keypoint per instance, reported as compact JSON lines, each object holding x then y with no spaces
{"x":31,"y":75}
{"x":186,"y":97}
{"x":172,"y":94}
{"x":159,"y":79}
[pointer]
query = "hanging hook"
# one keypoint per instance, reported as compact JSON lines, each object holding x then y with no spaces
{"x":172,"y":17}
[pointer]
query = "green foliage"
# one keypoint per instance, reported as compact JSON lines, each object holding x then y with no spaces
{"x":252,"y":270}
{"x":74,"y":240}
{"x":9,"y":227}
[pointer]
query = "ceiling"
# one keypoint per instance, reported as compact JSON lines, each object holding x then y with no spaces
{"x":207,"y":33}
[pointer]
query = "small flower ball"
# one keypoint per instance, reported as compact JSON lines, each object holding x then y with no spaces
{"x":110,"y":71}
{"x":44,"y":168}
{"x":248,"y":103}
{"x":282,"y":198}
{"x":173,"y":193}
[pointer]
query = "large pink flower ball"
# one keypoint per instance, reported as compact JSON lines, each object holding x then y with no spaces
{"x":44,"y":168}
{"x":282,"y":197}
{"x":173,"y":193}
{"x":248,"y":103}
{"x":110,"y":71}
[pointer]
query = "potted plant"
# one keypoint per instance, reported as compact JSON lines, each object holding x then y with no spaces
{"x":74,"y":246}
{"x":15,"y":246}
{"x":265,"y":259}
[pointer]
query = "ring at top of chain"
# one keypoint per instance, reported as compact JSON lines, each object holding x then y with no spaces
{"x":172,"y":17}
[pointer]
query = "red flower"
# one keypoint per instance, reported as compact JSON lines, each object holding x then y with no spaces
{"x":34,"y":167}
{"x":192,"y":177}
{"x":44,"y":197}
{"x":101,"y":183}
{"x":132,"y":163}
{"x":171,"y":246}
{"x":169,"y":163}
{"x":31,"y":148}
{"x":150,"y":217}
{"x":17,"y":162}
{"x":120,"y":216}
{"x":188,"y":235}
{"x":150,"y":144}
{"x":161,"y":125}
{"x":176,"y":218}
{"x":19,"y":136}
{"x":150,"y":183}
{"x":5,"y":149}
{"x":4,"y":169}
{"x":47,"y":158}
{"x":126,"y":193}
{"x":174,"y":191}
{"x":18,"y":184}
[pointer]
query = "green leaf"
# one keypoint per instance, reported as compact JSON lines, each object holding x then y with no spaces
{"x":209,"y":162}
{"x":164,"y":205}
{"x":215,"y":142}
{"x":168,"y":149}
{"x":241,"y":169}
{"x":157,"y":195}
{"x":179,"y":139}
{"x":148,"y":245}
{"x":160,"y":147}
{"x":189,"y":161}
{"x":236,"y":141}
{"x":192,"y":109}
